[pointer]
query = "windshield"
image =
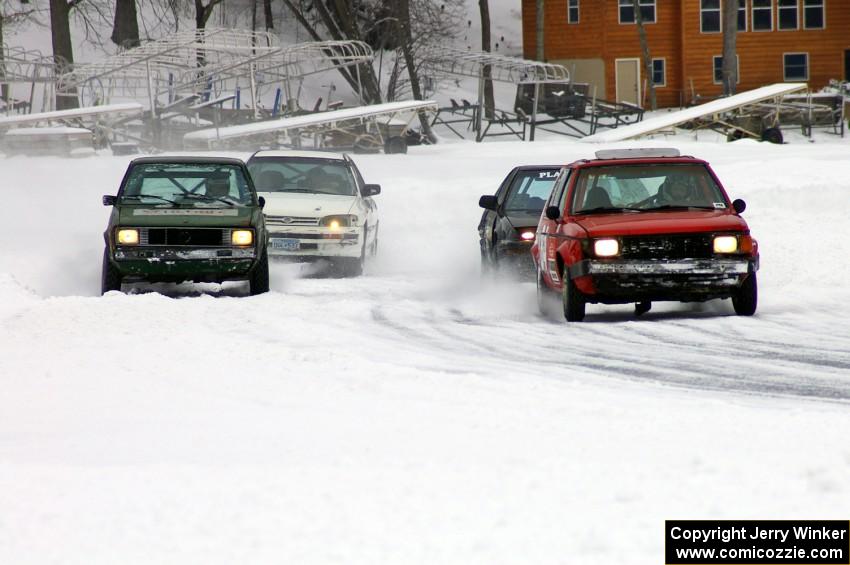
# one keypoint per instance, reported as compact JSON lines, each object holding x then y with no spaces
{"x":529,"y":191}
{"x":646,"y":187}
{"x":302,"y":174}
{"x":195,"y":184}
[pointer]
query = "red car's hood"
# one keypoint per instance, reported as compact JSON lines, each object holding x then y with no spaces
{"x":670,"y":221}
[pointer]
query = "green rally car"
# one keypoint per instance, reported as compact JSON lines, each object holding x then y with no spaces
{"x":181,"y":219}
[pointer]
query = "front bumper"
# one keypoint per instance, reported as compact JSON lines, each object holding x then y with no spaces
{"x":516,"y":255}
{"x":170,"y":264}
{"x":314,"y":242}
{"x":617,"y":281}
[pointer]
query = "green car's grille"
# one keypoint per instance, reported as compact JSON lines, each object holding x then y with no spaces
{"x":188,"y":237}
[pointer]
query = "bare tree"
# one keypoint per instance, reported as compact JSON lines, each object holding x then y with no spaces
{"x":63,"y":50}
{"x":647,"y":57}
{"x":9,"y":17}
{"x":489,"y":99}
{"x":125,"y":30}
{"x":203,"y":12}
{"x":541,"y":20}
{"x":403,"y":22}
{"x":730,"y":35}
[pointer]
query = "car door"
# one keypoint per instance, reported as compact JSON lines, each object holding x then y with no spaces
{"x":366,"y":205}
{"x":548,"y":236}
{"x":490,"y":218}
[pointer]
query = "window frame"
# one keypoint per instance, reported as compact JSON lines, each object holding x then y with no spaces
{"x":737,"y":69}
{"x":663,"y":82}
{"x":719,"y":11}
{"x":780,"y":9}
{"x":785,"y":77}
{"x":628,"y":4}
{"x":753,"y":10}
{"x":822,"y":7}
{"x":573,"y":5}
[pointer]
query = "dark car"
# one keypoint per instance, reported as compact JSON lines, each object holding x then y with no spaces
{"x":643,"y":225}
{"x":508,"y":225}
{"x":178,"y":219}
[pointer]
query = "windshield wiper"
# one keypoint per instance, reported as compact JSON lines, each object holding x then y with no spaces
{"x":140,"y":196}
{"x":608,"y":209}
{"x":679,"y":207}
{"x":191,"y":195}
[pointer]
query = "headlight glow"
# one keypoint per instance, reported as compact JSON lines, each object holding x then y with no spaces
{"x":128,"y":237}
{"x":606,"y":247}
{"x":242,"y":237}
{"x":527,"y":235}
{"x":334,"y":223}
{"x":725,"y":244}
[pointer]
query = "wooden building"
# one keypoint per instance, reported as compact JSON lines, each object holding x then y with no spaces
{"x":777,"y":41}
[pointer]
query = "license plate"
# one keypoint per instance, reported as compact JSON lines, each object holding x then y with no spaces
{"x":285,"y":244}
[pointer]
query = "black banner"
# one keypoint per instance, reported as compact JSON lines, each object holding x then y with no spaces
{"x":757,"y":542}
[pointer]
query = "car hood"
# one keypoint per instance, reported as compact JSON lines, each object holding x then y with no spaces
{"x":186,"y":216}
{"x":523,"y":219}
{"x":306,"y":205}
{"x":670,"y":221}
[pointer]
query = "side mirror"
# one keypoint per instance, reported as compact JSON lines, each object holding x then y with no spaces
{"x":553,"y":212}
{"x":262,"y":202}
{"x":371,"y":189}
{"x":109,"y":200}
{"x":739,"y":205}
{"x":488,"y":202}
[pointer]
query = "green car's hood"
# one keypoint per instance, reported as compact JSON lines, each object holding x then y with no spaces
{"x":194,"y":216}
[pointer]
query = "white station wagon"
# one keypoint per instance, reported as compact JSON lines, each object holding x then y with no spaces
{"x":317,"y":207}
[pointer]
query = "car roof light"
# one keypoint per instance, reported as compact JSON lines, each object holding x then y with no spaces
{"x":637,"y":153}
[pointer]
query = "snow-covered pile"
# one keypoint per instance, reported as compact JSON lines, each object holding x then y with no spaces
{"x":417,"y":414}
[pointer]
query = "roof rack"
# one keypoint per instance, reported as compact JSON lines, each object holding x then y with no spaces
{"x":637,"y":153}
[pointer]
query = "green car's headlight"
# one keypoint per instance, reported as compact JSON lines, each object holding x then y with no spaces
{"x":725,"y":244}
{"x":127,"y":237}
{"x":242,"y":237}
{"x":339,"y":221}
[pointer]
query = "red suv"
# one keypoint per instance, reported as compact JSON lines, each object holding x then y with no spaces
{"x":639,"y":225}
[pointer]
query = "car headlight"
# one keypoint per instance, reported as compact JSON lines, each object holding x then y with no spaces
{"x":725,"y":244}
{"x":526,"y":235}
{"x":606,"y":247}
{"x":128,"y":236}
{"x":339,"y":221}
{"x":242,"y":237}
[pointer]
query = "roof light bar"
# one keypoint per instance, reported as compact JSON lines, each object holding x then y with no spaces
{"x":637,"y":153}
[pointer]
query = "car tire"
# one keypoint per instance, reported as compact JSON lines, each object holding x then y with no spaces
{"x":745,"y":300}
{"x":353,"y":266}
{"x":259,"y":281}
{"x":546,"y":299}
{"x":110,"y":278}
{"x":572,"y":299}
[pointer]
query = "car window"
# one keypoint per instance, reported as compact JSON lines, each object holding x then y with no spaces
{"x":302,"y":174}
{"x":185,"y":183}
{"x":529,"y":191}
{"x":646,"y":187}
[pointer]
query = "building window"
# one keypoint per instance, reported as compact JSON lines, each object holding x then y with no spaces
{"x":718,"y":69}
{"x":659,"y":72}
{"x":572,"y":11}
{"x":813,"y":17}
{"x":762,"y":15}
{"x":709,"y":16}
{"x":627,"y":11}
{"x":796,"y":66}
{"x":787,"y":18}
{"x":742,"y":15}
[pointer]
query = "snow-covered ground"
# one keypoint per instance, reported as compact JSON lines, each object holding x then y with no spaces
{"x":417,"y":414}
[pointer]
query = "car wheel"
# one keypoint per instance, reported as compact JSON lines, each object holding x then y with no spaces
{"x":546,"y":299}
{"x":745,"y":300}
{"x":110,"y":278}
{"x":573,"y":302}
{"x":259,"y":281}
{"x":353,"y":266}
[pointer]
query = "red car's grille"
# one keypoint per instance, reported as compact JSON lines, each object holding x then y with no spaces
{"x":691,"y":246}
